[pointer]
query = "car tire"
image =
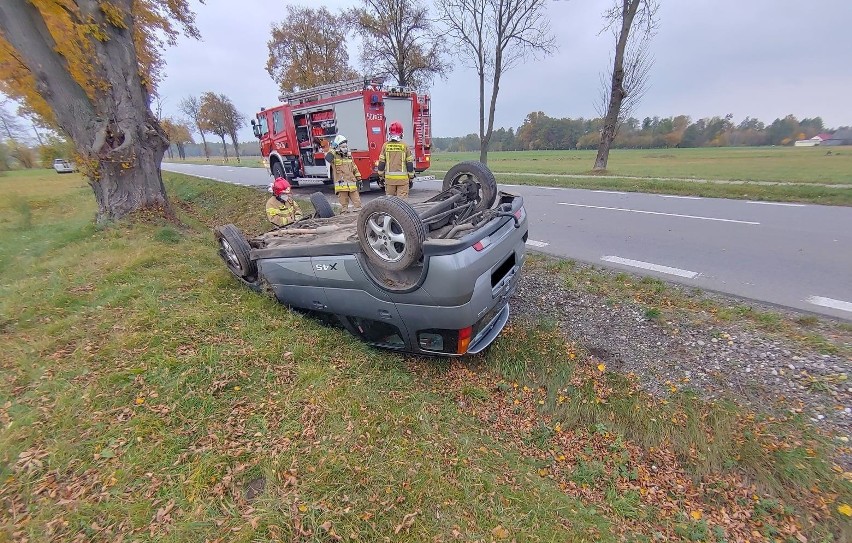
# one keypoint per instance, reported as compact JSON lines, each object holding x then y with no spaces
{"x":476,"y":172}
{"x":391,"y":233}
{"x":235,"y":251}
{"x":321,"y":206}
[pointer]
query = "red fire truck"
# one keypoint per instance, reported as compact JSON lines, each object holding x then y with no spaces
{"x":294,"y":136}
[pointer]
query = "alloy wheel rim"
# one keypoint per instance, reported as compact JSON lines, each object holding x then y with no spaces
{"x":386,"y":237}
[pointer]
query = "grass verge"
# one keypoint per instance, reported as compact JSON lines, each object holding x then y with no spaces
{"x":147,"y":394}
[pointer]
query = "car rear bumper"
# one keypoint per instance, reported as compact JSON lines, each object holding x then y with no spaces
{"x":490,"y":332}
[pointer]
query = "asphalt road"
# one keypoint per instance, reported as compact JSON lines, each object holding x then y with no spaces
{"x":793,"y":255}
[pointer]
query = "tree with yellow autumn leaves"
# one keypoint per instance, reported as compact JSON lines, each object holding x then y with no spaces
{"x":91,"y":67}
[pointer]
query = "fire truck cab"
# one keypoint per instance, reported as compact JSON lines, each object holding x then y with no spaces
{"x":295,"y":135}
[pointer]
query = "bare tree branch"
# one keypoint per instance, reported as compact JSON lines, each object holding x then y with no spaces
{"x":494,"y":36}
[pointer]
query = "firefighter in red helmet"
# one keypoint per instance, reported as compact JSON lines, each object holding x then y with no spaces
{"x":281,"y":209}
{"x":396,"y":164}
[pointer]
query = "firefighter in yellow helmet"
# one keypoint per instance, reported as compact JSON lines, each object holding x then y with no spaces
{"x":345,"y":174}
{"x":396,"y":164}
{"x":281,"y":209}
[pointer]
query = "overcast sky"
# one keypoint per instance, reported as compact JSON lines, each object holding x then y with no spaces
{"x":758,"y":58}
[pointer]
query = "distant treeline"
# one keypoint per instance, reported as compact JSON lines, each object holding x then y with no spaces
{"x":540,"y":132}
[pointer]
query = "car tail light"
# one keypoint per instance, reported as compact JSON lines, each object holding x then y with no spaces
{"x":519,"y":214}
{"x":482,"y":244}
{"x":464,"y":339}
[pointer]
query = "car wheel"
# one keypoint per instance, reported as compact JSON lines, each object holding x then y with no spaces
{"x":321,"y":206}
{"x":391,"y":233}
{"x":234,"y":250}
{"x":474,"y":172}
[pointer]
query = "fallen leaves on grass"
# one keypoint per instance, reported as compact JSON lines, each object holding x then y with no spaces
{"x":407,"y":522}
{"x":500,"y":533}
{"x":648,"y":486}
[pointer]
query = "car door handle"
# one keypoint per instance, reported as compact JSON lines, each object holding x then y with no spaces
{"x":385,"y":314}
{"x":318,"y":305}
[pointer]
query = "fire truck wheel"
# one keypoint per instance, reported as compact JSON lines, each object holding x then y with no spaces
{"x":321,"y":206}
{"x":235,"y":250}
{"x":278,"y":171}
{"x":391,"y":233}
{"x":474,"y":172}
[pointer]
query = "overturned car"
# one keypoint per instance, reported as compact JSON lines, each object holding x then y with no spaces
{"x":431,"y":277}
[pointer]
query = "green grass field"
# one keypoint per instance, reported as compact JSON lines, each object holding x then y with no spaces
{"x":792,"y":174}
{"x":763,"y":164}
{"x":147,"y":396}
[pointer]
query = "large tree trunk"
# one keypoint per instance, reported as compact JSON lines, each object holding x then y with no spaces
{"x":119,"y":142}
{"x":617,"y":93}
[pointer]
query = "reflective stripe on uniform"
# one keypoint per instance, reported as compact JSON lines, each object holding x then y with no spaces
{"x":345,"y":173}
{"x":396,"y":159}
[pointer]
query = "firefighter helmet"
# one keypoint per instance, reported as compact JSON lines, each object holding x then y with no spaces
{"x":338,"y":139}
{"x":395,"y":130}
{"x":280,"y":186}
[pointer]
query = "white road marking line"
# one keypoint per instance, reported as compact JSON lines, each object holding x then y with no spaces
{"x":551,"y":188}
{"x":775,"y":204}
{"x":681,"y":197}
{"x":660,"y":213}
{"x":830,"y":302}
{"x":653,"y":267}
{"x":609,"y":192}
{"x":508,"y":185}
{"x":535,"y":243}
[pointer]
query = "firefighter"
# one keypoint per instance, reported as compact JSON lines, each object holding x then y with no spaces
{"x":396,"y":165}
{"x":345,"y":174}
{"x":281,"y":209}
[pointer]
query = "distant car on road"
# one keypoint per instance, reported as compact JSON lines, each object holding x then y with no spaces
{"x":63,"y":166}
